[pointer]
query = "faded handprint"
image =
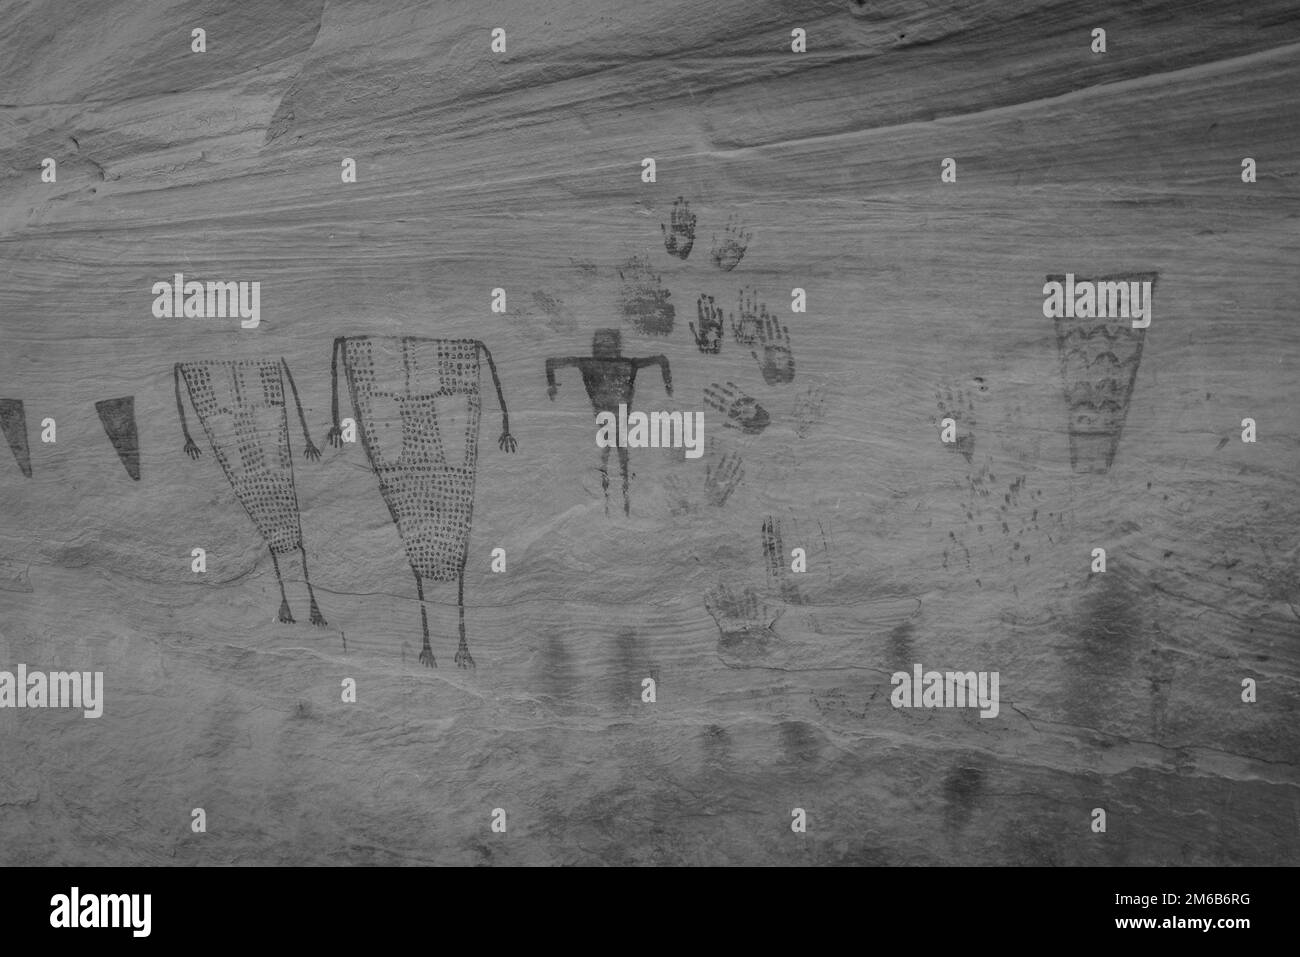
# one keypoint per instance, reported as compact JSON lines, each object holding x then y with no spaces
{"x":645,"y":301}
{"x":735,"y":240}
{"x":681,"y":237}
{"x":777,"y":364}
{"x":740,"y":411}
{"x":752,"y":313}
{"x":958,"y":405}
{"x":743,"y":618}
{"x":809,"y":410}
{"x":719,"y":483}
{"x":774,"y":554}
{"x":708,"y":337}
{"x":680,"y":499}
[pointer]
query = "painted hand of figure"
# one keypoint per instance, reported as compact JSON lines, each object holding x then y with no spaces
{"x":708,"y":338}
{"x":679,"y":241}
{"x":192,"y":450}
{"x":719,"y":483}
{"x":507,"y":442}
{"x":741,"y":411}
{"x":312,"y":453}
{"x":777,"y":364}
{"x":335,"y":437}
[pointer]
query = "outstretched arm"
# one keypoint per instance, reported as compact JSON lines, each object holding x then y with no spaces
{"x":311,"y":451}
{"x":335,"y":435}
{"x":506,"y":442}
{"x":191,"y":449}
{"x":662,"y":362}
{"x":553,"y":364}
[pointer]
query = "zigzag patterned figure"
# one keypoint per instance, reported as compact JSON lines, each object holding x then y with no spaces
{"x":1100,"y":349}
{"x":241,"y":406}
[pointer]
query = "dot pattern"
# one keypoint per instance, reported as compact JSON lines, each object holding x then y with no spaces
{"x":418,"y":407}
{"x":242,"y":409}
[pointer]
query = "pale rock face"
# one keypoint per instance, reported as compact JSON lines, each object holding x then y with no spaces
{"x":522,"y":171}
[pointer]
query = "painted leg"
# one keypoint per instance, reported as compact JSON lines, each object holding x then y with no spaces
{"x":426,"y":653}
{"x":622,"y":464}
{"x":604,"y":476}
{"x":285,"y":615}
{"x":317,"y":618}
{"x":463,"y":658}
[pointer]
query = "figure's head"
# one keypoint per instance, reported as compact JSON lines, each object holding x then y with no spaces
{"x":607,"y":344}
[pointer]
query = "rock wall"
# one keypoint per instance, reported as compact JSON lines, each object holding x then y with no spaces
{"x":522,"y":171}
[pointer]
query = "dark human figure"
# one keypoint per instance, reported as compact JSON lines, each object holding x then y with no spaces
{"x":610,"y":378}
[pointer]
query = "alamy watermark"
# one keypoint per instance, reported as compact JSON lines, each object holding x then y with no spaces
{"x":946,"y":689}
{"x":58,"y":689}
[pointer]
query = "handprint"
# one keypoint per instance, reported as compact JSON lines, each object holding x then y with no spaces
{"x":775,"y":555}
{"x":645,"y":302}
{"x":708,"y":338}
{"x":961,"y":409}
{"x":741,"y":411}
{"x":679,"y":241}
{"x":680,"y":500}
{"x":719,"y":483}
{"x":735,"y":240}
{"x":746,"y":331}
{"x":777,"y":364}
{"x":809,"y":410}
{"x":742,"y":618}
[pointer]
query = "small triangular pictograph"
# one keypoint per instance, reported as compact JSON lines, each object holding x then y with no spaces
{"x":13,"y":420}
{"x":118,"y":416}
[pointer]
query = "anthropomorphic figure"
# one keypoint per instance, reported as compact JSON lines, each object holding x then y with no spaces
{"x":418,"y":406}
{"x":241,"y":406}
{"x":610,"y":378}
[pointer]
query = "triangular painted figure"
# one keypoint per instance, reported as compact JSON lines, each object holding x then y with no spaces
{"x":14,"y":422}
{"x":118,"y":416}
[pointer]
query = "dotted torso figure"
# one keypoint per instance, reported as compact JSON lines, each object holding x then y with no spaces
{"x":418,"y":407}
{"x":242,"y":409}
